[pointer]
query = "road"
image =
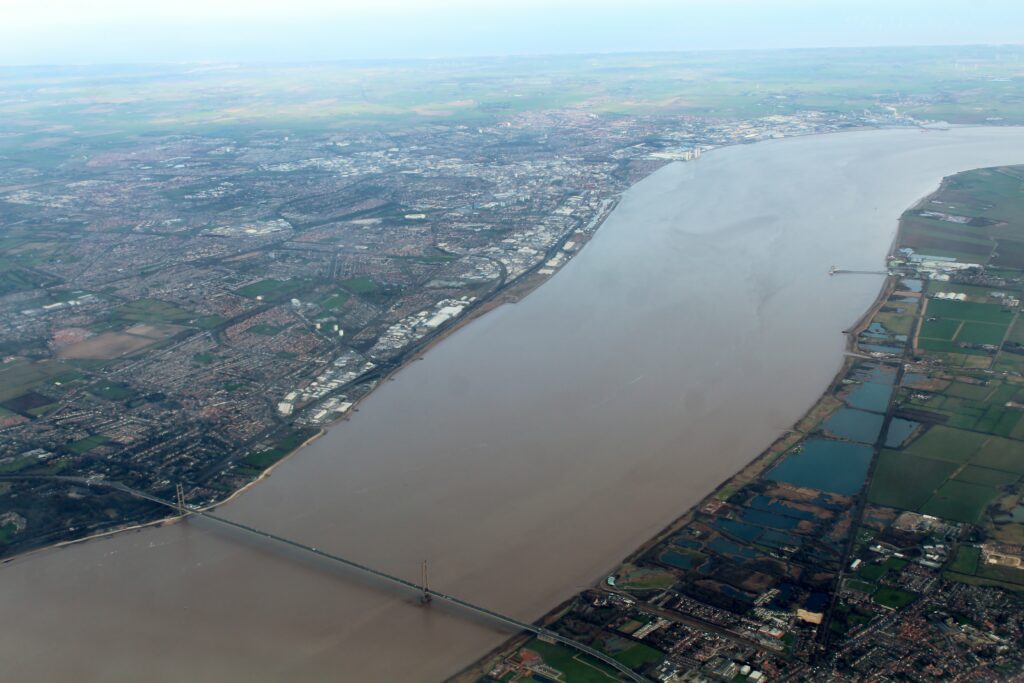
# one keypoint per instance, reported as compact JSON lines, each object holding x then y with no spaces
{"x":699,"y":624}
{"x":390,"y":578}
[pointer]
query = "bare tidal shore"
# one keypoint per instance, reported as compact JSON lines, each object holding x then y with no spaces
{"x":764,"y":460}
{"x":507,"y":293}
{"x":511,"y":292}
{"x":566,"y":428}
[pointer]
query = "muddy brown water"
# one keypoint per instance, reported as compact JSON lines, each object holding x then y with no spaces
{"x":530,"y":451}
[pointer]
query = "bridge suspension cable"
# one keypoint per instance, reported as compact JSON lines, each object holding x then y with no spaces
{"x":427,"y":594}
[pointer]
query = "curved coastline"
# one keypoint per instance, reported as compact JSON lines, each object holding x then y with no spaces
{"x":509,"y":293}
{"x":522,"y":286}
{"x":318,"y":449}
{"x":753,"y":469}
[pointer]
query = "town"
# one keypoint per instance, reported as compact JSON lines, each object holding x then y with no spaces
{"x":184,"y":306}
{"x":189,"y":309}
{"x":880,"y":539}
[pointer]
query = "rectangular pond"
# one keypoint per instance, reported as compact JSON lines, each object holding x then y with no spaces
{"x":824,"y":464}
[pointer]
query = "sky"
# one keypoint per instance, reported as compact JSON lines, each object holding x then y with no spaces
{"x":144,"y":31}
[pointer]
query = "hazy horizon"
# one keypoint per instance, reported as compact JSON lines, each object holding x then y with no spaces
{"x":57,"y":32}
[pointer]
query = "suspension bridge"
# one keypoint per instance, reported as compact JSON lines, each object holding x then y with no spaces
{"x":427,"y":594}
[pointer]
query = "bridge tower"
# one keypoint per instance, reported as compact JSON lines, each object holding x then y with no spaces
{"x":425,"y":598}
{"x":180,"y":499}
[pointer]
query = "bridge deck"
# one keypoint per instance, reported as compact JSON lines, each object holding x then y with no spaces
{"x":451,"y":599}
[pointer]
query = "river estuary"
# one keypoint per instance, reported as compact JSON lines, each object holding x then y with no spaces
{"x":530,"y":451}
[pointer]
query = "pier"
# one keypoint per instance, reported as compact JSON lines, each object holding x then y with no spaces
{"x":843,"y":271}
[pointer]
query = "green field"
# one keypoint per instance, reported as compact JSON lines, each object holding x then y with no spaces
{"x":360,"y":285}
{"x":647,"y":578}
{"x":960,"y":501}
{"x":872,"y":572}
{"x":968,"y":310}
{"x":891,"y":597}
{"x":1006,"y":425}
{"x":272,"y":290}
{"x":938,"y":345}
{"x":152,"y":311}
{"x":896,"y":564}
{"x":979,"y":580}
{"x":17,"y":465}
{"x":17,"y":280}
{"x":959,"y":468}
{"x":1017,"y":333}
{"x":862,"y":586}
{"x":906,"y":481}
{"x":944,"y":443}
{"x":933,"y":336}
{"x":19,"y":377}
{"x":112,"y":391}
{"x":7,"y":533}
{"x":1001,"y":454}
{"x":897,"y":323}
{"x":88,"y":443}
{"x":990,"y":198}
{"x":966,"y":560}
{"x":336,"y":300}
{"x":208,"y":322}
{"x":982,"y":333}
{"x":985,"y":476}
{"x":284,"y":444}
{"x":1008,"y":576}
{"x":948,"y":473}
{"x":639,"y":656}
{"x":633,"y":654}
{"x":974,"y":392}
{"x":261,"y":460}
{"x":1009,"y":362}
{"x":968,"y":568}
{"x":976,"y":407}
{"x":572,"y":664}
{"x":940,"y":329}
{"x":951,"y":323}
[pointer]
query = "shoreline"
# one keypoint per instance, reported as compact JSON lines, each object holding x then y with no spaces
{"x":394,"y":476}
{"x":509,"y":293}
{"x":753,"y":469}
{"x":163,"y":521}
